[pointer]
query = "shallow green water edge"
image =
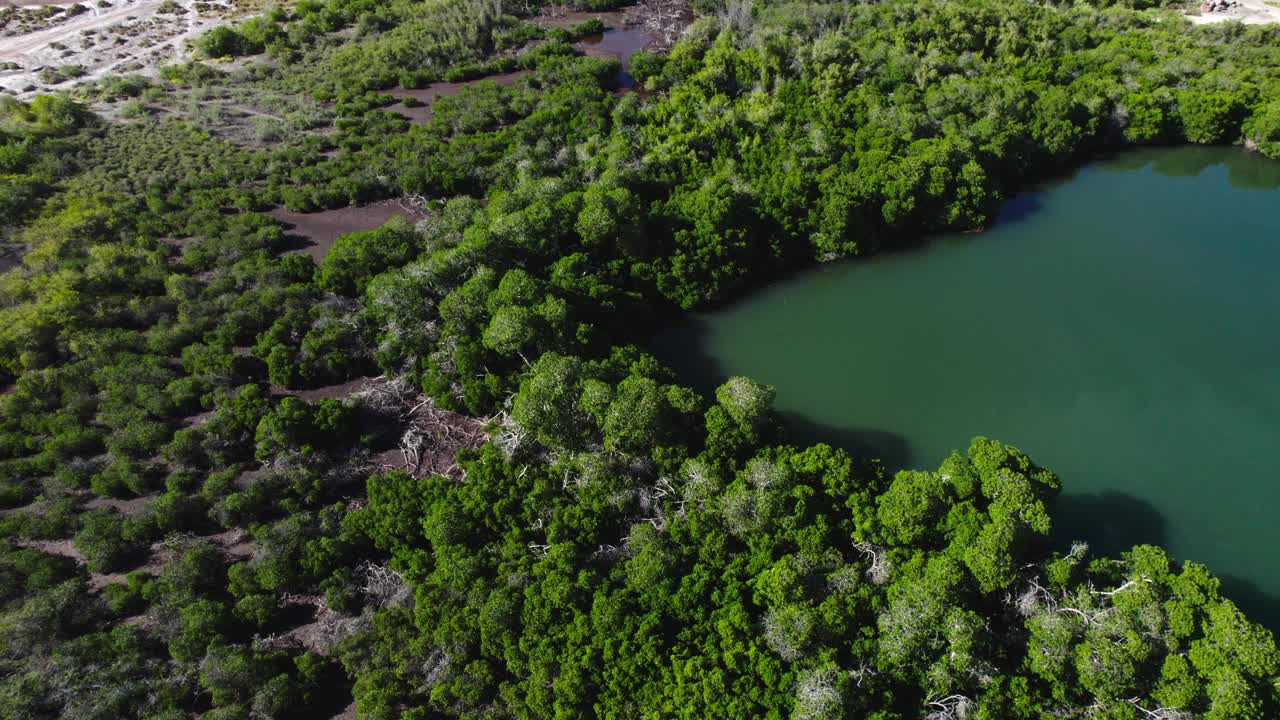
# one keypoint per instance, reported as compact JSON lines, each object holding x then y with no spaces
{"x":1118,"y":325}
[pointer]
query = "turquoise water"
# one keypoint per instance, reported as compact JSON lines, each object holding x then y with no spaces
{"x":1119,"y":326}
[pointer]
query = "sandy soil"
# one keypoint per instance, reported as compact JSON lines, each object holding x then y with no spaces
{"x":127,"y":508}
{"x":128,"y":36}
{"x":197,"y":420}
{"x":340,"y":391}
{"x":1250,"y":12}
{"x":65,"y":548}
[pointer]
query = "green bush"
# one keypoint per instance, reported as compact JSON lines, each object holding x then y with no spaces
{"x":120,"y":479}
{"x":127,"y":598}
{"x":103,"y":542}
{"x":225,"y":41}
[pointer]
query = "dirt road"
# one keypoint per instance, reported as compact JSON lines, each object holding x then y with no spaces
{"x":36,"y":44}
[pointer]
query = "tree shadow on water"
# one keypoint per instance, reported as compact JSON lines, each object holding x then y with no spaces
{"x":1259,"y":605}
{"x":1020,"y":207}
{"x":891,"y":449}
{"x":683,"y":348}
{"x":1245,"y":170}
{"x":1111,"y":522}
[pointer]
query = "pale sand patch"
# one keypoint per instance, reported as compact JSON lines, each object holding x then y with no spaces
{"x":127,"y":36}
{"x":1249,"y":12}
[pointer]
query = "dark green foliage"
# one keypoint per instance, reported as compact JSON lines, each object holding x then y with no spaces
{"x":772,"y":579}
{"x":298,"y":426}
{"x":356,"y":258}
{"x":224,"y":41}
{"x":105,"y":542}
{"x":127,"y":598}
{"x":25,"y":571}
{"x":36,"y":146}
{"x":592,"y":26}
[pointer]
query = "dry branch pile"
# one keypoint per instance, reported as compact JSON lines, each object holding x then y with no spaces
{"x":429,"y":437}
{"x":664,"y":20}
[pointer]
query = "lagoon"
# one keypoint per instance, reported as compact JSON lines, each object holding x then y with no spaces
{"x":1120,"y":326}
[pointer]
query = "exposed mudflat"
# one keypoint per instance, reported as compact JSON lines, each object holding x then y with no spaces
{"x":130,"y":507}
{"x":560,"y":16}
{"x":317,"y":231}
{"x":428,"y":95}
{"x":339,"y":391}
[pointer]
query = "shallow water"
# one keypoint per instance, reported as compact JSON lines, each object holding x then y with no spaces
{"x":1119,"y":326}
{"x":620,"y":43}
{"x":617,"y":42}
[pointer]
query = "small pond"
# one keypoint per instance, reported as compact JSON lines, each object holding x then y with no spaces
{"x":620,"y":43}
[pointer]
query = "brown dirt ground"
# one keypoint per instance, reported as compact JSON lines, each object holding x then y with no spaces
{"x":124,"y":507}
{"x":428,"y":95}
{"x":339,"y":391}
{"x":65,"y":548}
{"x":561,"y":17}
{"x":318,"y":231}
{"x":195,"y":421}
